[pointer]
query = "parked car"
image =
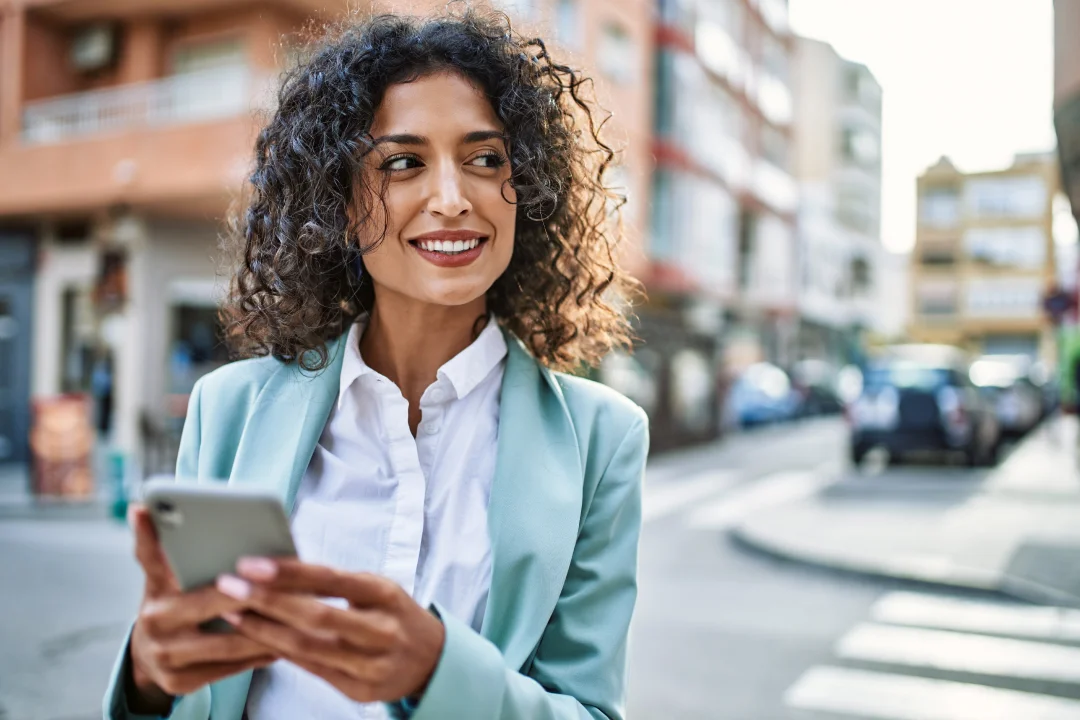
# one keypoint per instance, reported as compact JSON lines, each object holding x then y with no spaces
{"x":816,"y":381}
{"x":1005,"y":381}
{"x":761,"y":394}
{"x":921,"y":398}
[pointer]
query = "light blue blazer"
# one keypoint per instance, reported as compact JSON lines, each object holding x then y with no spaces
{"x":564,"y":517}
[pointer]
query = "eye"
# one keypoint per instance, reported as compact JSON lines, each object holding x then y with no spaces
{"x":489,"y":160}
{"x":397,"y":163}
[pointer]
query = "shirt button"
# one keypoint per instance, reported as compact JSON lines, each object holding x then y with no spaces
{"x":431,"y":428}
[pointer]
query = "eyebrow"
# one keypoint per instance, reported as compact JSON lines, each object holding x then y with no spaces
{"x":409,"y":139}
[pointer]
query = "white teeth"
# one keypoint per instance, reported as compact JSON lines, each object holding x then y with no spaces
{"x":449,"y":246}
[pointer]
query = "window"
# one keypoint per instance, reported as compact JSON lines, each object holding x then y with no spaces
{"x":940,"y":208}
{"x":1004,"y":297}
{"x":660,"y":246}
{"x":936,"y":298}
{"x":1013,"y":197}
{"x":861,"y":279}
{"x":615,"y":53}
{"x":567,"y":24}
{"x":939,"y":255}
{"x":197,"y":57}
{"x":1022,"y":247}
{"x":860,"y":146}
{"x":774,"y":146}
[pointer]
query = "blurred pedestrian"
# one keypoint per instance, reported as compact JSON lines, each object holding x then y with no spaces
{"x":426,"y":246}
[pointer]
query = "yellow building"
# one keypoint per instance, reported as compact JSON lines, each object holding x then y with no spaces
{"x":984,"y":257}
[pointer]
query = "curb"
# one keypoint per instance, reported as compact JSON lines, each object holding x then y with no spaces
{"x":958,"y":578}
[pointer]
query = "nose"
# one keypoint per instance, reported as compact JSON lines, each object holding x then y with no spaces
{"x":448,"y":197}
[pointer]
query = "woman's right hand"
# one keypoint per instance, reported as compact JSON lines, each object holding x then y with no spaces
{"x":169,"y":654}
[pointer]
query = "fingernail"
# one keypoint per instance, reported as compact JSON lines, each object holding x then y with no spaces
{"x":233,"y":618}
{"x":257,"y":568}
{"x":234,"y":587}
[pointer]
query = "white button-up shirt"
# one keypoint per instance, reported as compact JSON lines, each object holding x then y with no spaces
{"x":376,"y":499}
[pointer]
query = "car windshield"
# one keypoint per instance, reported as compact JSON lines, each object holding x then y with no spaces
{"x":906,"y":375}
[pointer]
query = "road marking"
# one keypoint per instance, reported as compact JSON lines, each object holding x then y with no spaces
{"x":664,"y":498}
{"x":978,"y":616}
{"x":770,"y":490}
{"x":961,"y":652}
{"x":900,"y":697}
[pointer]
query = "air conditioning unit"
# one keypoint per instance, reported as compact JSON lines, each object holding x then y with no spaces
{"x":93,"y":47}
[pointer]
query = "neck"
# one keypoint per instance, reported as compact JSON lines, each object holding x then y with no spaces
{"x":408,"y":342}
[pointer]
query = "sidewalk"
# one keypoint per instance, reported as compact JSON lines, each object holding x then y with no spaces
{"x":17,"y":502}
{"x":1018,"y":533}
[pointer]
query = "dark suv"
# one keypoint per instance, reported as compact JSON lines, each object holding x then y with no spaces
{"x":921,"y":398}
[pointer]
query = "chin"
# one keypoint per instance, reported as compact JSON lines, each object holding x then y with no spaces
{"x":455,"y":296}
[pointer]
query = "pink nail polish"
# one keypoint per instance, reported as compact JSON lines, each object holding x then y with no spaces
{"x":233,"y":618}
{"x":234,"y":587}
{"x":257,"y":568}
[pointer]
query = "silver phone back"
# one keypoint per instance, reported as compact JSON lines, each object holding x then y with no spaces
{"x":205,"y":529}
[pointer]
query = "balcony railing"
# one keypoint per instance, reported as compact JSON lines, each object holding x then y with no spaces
{"x":192,"y":97}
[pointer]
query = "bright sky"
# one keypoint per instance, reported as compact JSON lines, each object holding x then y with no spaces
{"x":971,"y":79}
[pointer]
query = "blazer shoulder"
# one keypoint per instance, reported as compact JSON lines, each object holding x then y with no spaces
{"x":237,"y":381}
{"x":596,"y":405}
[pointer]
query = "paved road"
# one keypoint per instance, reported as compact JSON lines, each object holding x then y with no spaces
{"x":721,"y":632}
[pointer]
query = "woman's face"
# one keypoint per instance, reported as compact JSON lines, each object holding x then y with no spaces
{"x":450,"y":219}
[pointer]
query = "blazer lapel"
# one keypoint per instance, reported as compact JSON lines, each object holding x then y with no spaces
{"x":285,"y":424}
{"x":535,"y":506}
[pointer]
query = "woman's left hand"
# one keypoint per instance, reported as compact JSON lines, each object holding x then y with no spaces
{"x":383,"y":647}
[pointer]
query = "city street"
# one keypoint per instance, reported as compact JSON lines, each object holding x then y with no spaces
{"x":722,"y":630}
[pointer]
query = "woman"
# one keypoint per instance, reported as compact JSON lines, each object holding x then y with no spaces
{"x":428,"y":242}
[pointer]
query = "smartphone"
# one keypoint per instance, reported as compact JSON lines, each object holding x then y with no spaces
{"x":204,"y":529}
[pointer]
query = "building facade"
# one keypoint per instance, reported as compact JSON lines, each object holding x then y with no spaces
{"x":1067,"y":96}
{"x":126,"y":131}
{"x":721,"y":273}
{"x":984,"y":257}
{"x":838,"y":166}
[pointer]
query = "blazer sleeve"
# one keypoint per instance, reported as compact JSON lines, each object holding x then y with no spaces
{"x":579,"y":670}
{"x":197,"y":705}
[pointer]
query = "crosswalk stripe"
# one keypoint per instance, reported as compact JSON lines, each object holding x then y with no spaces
{"x":888,"y":696}
{"x":768,"y":491}
{"x":664,"y":498}
{"x":978,"y":616}
{"x":961,"y":652}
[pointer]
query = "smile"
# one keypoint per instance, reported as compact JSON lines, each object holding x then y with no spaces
{"x":450,"y":248}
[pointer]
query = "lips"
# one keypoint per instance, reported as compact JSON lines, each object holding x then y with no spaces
{"x":450,"y":248}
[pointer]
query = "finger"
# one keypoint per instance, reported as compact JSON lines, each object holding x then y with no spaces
{"x":172,"y":613}
{"x":365,"y":629}
{"x":191,"y":679}
{"x":354,"y":688}
{"x":292,"y":644}
{"x":148,"y":552}
{"x":294,"y":575}
{"x":195,"y":648}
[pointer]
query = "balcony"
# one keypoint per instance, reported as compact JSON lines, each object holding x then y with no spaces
{"x":193,"y":97}
{"x":181,"y":145}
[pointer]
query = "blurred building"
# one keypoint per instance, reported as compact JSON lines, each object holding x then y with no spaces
{"x":125,"y":130}
{"x":721,"y":273}
{"x":984,"y":257}
{"x":1067,"y":96}
{"x":838,"y":166}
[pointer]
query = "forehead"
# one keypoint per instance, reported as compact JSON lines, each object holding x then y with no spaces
{"x":441,"y":101}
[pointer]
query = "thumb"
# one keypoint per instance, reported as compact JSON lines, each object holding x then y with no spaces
{"x":159,"y":576}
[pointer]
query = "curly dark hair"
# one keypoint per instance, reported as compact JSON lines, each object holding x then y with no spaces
{"x":294,"y":287}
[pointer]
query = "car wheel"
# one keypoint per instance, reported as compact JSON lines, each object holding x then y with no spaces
{"x":858,"y":453}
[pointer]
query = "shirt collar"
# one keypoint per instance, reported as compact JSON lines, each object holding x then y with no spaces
{"x":463,"y":372}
